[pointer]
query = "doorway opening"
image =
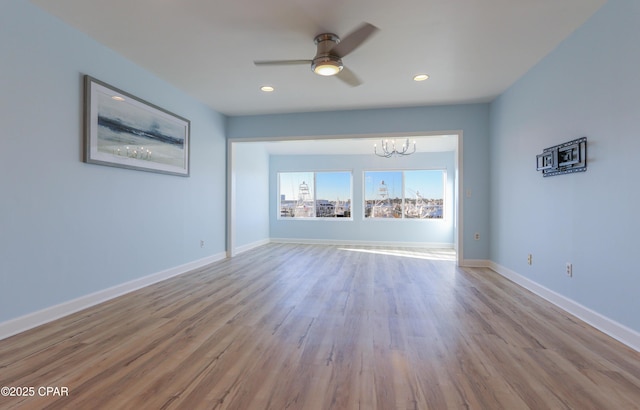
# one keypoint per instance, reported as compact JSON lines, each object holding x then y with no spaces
{"x":249,"y":208}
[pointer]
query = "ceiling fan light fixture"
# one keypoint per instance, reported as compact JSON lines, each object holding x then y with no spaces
{"x":326,"y":66}
{"x":330,"y":51}
{"x":327,"y":69}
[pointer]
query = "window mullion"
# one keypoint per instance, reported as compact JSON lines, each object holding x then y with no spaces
{"x":315,"y":198}
{"x":402,"y":209}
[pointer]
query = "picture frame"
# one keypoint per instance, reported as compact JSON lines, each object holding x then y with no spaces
{"x":122,"y":130}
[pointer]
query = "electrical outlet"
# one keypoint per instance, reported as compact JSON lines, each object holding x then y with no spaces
{"x":569,"y":270}
{"x":201,"y":243}
{"x":476,"y":236}
{"x":530,"y":259}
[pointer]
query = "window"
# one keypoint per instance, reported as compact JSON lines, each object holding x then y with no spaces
{"x":383,"y":194}
{"x":314,"y":194}
{"x":415,"y":194}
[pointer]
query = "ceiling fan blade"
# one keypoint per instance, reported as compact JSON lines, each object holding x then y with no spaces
{"x":354,"y":39}
{"x":282,"y":62}
{"x":349,"y":77}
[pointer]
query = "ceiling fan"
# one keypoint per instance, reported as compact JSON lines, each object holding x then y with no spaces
{"x":329,"y":54}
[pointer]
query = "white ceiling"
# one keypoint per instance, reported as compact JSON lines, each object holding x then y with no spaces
{"x":472,"y":49}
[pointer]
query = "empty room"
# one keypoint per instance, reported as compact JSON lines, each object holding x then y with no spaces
{"x":305,"y":204}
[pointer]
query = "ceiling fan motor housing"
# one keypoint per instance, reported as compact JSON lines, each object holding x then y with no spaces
{"x":325,"y":63}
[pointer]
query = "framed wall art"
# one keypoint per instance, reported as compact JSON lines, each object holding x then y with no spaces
{"x":122,"y":130}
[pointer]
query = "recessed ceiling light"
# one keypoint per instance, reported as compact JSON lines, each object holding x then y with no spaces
{"x":117,"y":98}
{"x":267,"y":88}
{"x":421,"y":77}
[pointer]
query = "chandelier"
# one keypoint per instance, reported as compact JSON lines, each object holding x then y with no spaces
{"x":389,"y":148}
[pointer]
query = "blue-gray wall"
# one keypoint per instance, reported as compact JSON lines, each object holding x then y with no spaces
{"x":471,"y":119}
{"x":589,"y":86}
{"x":67,"y":228}
{"x":336,"y":230}
{"x":251,"y":180}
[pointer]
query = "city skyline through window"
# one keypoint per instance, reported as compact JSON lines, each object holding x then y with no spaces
{"x":409,"y":194}
{"x":314,"y":194}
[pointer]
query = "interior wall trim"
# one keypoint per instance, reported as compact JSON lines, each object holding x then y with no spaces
{"x":606,"y":325}
{"x":31,"y":320}
{"x":433,"y":245}
{"x":623,"y":334}
{"x":249,"y":246}
{"x":475,"y":263}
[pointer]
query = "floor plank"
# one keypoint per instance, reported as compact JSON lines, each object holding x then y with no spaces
{"x":288,"y":326}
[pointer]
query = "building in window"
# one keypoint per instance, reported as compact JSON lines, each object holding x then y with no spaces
{"x":411,"y":194}
{"x":314,"y":194}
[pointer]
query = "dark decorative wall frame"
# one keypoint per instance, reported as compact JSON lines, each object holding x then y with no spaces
{"x":565,"y":158}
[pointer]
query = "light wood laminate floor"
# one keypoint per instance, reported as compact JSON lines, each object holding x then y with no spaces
{"x":324,"y":327}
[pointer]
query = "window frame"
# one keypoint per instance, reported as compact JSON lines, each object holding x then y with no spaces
{"x":403,"y":192}
{"x":279,"y":216}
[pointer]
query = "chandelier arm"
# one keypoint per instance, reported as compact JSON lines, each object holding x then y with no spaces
{"x":386,"y":153}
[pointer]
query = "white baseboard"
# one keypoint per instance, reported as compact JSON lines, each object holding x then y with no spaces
{"x":616,"y":330}
{"x":248,"y":247}
{"x":31,"y":320}
{"x":432,"y":245}
{"x":475,"y":263}
{"x":612,"y":328}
